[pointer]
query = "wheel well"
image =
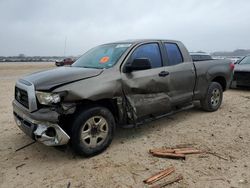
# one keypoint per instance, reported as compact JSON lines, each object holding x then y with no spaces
{"x":222,"y":81}
{"x":110,"y":104}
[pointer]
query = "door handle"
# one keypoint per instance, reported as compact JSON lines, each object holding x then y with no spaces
{"x":163,"y":73}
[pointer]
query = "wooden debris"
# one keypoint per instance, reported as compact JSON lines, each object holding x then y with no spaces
{"x":188,"y":151}
{"x":169,"y":155}
{"x":159,"y":175}
{"x":19,"y":166}
{"x":175,"y":153}
{"x":176,"y":150}
{"x":217,"y":155}
{"x":176,"y":179}
{"x":162,"y":150}
{"x":25,"y":146}
{"x":182,"y":149}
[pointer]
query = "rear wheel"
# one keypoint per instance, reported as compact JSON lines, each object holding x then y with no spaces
{"x":92,"y":131}
{"x":213,"y":98}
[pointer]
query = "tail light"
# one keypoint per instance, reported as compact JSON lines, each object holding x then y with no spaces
{"x":232,"y":66}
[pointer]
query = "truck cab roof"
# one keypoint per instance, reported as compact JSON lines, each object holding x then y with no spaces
{"x":136,"y":41}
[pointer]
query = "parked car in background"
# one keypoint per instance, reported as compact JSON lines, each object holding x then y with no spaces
{"x":66,"y":61}
{"x":200,"y":56}
{"x":234,"y":60}
{"x":237,"y":60}
{"x":241,"y":76}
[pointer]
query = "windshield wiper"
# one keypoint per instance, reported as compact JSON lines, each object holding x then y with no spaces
{"x":89,"y":67}
{"x":92,"y":67}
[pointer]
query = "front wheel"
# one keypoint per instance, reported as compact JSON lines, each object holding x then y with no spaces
{"x":213,"y":98}
{"x":92,"y":131}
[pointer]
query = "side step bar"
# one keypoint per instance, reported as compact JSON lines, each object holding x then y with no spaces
{"x":152,"y":118}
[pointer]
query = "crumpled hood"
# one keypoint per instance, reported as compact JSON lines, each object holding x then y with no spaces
{"x":242,"y":68}
{"x":53,"y":78}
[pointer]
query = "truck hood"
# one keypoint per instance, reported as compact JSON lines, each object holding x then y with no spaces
{"x":242,"y":68}
{"x":53,"y":78}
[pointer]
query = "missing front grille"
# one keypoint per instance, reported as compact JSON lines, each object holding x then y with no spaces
{"x":22,"y":97}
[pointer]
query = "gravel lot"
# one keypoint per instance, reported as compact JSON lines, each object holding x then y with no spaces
{"x":126,"y":163}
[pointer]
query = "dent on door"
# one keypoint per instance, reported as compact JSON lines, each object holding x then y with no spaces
{"x":147,"y":92}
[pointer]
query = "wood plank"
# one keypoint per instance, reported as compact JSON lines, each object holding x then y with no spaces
{"x":159,"y":175}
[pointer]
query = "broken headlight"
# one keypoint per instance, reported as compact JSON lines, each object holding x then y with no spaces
{"x":49,"y":98}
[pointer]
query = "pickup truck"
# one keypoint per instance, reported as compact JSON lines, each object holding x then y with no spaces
{"x":200,"y":56}
{"x":116,"y":84}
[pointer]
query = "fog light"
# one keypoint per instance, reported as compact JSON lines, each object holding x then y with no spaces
{"x":51,"y":132}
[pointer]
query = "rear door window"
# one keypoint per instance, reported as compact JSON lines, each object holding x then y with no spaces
{"x":150,"y":51}
{"x":173,"y":53}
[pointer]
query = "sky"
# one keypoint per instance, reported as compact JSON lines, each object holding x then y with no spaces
{"x":41,"y":27}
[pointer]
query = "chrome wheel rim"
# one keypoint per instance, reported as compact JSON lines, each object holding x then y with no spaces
{"x":215,"y":98}
{"x":94,"y":131}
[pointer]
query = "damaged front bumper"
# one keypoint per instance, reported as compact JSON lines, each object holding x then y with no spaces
{"x":40,"y":125}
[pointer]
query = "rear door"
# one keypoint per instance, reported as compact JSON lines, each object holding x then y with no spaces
{"x":147,"y":90}
{"x":181,"y":74}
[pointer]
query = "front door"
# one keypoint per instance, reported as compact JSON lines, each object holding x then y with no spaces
{"x":147,"y":90}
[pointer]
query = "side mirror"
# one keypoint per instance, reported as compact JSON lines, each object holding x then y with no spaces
{"x":138,"y":64}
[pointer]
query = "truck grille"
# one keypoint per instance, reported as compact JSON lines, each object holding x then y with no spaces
{"x":22,"y":97}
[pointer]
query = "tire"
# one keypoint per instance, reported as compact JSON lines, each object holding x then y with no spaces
{"x":92,"y":131}
{"x":213,"y":98}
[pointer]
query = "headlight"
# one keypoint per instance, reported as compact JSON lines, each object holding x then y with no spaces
{"x":49,"y":98}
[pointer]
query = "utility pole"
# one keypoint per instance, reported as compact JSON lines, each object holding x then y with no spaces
{"x":65,"y":43}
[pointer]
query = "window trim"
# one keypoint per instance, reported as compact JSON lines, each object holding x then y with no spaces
{"x":129,"y":56}
{"x":167,"y":56}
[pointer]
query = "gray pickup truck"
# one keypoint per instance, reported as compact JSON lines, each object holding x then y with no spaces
{"x":115,"y":84}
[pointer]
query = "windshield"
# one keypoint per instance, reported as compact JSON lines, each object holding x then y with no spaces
{"x":104,"y":56}
{"x":246,"y":60}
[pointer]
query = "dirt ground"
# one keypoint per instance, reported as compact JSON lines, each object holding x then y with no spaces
{"x":126,"y":163}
